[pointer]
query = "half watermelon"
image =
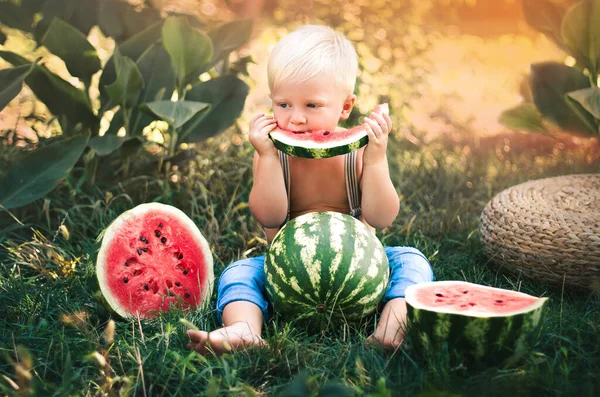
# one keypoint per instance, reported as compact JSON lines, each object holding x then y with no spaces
{"x":152,"y":257}
{"x":323,"y":144}
{"x":481,"y":323}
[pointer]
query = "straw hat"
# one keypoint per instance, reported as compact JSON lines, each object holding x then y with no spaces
{"x":548,"y":229}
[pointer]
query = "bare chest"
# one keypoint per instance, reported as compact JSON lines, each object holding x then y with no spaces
{"x":317,"y":185}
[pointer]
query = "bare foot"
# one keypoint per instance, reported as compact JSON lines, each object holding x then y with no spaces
{"x":236,"y":336}
{"x":389,"y":333}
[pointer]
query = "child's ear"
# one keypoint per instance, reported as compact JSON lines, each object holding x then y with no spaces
{"x":348,"y":105}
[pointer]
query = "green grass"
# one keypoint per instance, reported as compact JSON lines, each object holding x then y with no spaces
{"x":52,"y":326}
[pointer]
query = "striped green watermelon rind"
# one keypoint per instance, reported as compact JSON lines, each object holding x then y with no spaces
{"x":323,"y":266}
{"x":320,"y":153}
{"x":497,"y":338}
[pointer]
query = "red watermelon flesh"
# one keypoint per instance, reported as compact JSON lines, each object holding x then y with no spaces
{"x":472,"y":299}
{"x":152,"y":257}
{"x":322,"y":136}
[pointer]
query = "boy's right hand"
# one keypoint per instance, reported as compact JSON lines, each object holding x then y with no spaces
{"x":260,"y":126}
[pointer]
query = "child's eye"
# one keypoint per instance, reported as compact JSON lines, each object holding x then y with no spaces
{"x":311,"y":105}
{"x":283,"y":105}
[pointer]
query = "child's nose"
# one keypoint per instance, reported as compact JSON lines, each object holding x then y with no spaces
{"x":298,"y":117}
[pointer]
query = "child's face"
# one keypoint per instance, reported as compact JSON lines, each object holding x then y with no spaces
{"x":315,"y":104}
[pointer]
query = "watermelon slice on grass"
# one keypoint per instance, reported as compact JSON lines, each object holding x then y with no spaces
{"x":323,"y":144}
{"x":472,"y":321}
{"x":151,"y":258}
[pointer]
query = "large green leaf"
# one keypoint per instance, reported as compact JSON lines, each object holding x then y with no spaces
{"x":39,"y":172}
{"x":126,"y":89}
{"x":15,"y":16}
{"x":227,"y":95}
{"x":11,"y":82}
{"x":120,"y":20}
{"x":176,"y":113}
{"x":550,"y":82}
{"x":523,"y":117}
{"x":545,"y":16}
{"x":581,"y":33}
{"x":589,"y":99}
{"x":105,"y":145}
{"x":225,"y":38}
{"x":69,"y":44}
{"x":230,"y":36}
{"x":155,"y":66}
{"x":592,"y":124}
{"x":133,"y":48}
{"x":188,"y":48}
{"x":82,"y":14}
{"x":62,"y":99}
{"x":20,"y":15}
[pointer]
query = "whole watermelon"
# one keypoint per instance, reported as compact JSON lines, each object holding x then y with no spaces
{"x":326,"y":266}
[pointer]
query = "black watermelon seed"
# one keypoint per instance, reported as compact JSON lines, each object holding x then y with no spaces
{"x":157,"y":233}
{"x":126,"y":263}
{"x":160,"y":225}
{"x":163,"y":240}
{"x":465,"y":292}
{"x":145,"y":249}
{"x":327,"y":133}
{"x":438,"y":294}
{"x":139,"y":251}
{"x":177,"y":284}
{"x":142,"y":238}
{"x":125,"y":280}
{"x":499,"y":301}
{"x":146,"y":287}
{"x":186,"y":295}
{"x":180,"y":256}
{"x":471,"y":303}
{"x":185,"y":272}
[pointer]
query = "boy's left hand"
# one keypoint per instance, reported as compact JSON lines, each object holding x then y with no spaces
{"x":378,"y":128}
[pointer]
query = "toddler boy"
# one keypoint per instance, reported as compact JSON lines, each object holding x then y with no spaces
{"x":311,"y":73}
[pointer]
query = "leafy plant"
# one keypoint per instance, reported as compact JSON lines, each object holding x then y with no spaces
{"x":567,"y":96}
{"x":137,"y":83}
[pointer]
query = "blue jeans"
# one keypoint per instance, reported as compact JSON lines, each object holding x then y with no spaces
{"x":244,"y":280}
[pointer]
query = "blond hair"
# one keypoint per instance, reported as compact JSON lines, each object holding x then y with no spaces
{"x":311,"y":50}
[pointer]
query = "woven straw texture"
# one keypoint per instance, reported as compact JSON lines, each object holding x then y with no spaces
{"x":547,"y":229}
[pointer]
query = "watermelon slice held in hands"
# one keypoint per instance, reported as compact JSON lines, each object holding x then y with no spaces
{"x":478,"y":322}
{"x":154,"y":256}
{"x":323,"y":144}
